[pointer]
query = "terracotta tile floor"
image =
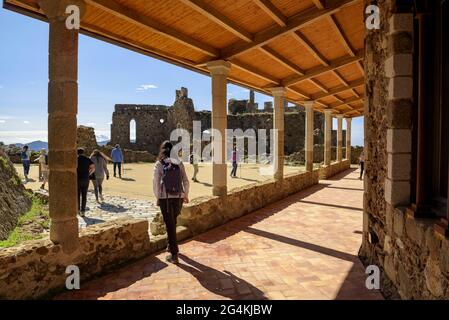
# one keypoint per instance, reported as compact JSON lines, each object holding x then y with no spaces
{"x":303,"y":247}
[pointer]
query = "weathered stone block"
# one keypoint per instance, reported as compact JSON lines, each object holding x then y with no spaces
{"x":399,"y":166}
{"x":400,"y":42}
{"x":397,"y":192}
{"x":399,"y":114}
{"x":401,"y":22}
{"x":400,"y":88}
{"x":389,"y":268}
{"x":414,"y":232}
{"x":434,"y":278}
{"x":399,"y":65}
{"x":389,"y":217}
{"x":399,"y":140}
{"x":399,"y":222}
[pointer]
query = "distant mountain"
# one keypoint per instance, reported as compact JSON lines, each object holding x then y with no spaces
{"x":34,"y":146}
{"x":102,"y":143}
{"x":102,"y":140}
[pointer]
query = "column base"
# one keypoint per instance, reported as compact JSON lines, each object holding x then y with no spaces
{"x":279,"y":176}
{"x":65,"y":233}
{"x":416,"y":211}
{"x":309,"y":166}
{"x":442,"y":228}
{"x":219,"y":191}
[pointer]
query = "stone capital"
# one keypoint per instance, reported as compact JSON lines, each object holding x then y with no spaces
{"x":308,"y":104}
{"x":339,"y":116}
{"x":56,"y":10}
{"x":327,"y":112}
{"x":219,"y":67}
{"x":278,"y":91}
{"x":348,"y":120}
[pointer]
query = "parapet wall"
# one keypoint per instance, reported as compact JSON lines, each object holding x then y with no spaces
{"x":334,"y":168}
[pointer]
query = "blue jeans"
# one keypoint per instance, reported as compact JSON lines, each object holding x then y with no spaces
{"x":26,"y":167}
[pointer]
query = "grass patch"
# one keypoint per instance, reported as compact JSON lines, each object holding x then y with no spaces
{"x":36,"y":218}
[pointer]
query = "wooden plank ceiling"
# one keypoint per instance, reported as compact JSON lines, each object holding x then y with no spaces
{"x":312,"y":47}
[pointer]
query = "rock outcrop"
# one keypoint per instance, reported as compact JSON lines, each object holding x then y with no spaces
{"x":13,"y":199}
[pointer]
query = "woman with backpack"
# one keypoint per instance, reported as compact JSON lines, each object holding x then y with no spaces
{"x":171,"y":189}
{"x":100,"y":161}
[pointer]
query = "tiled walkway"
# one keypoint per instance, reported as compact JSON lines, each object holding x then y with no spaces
{"x":303,"y":247}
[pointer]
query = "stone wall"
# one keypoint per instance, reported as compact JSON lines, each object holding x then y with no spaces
{"x":334,"y":168}
{"x":207,"y":212}
{"x":414,"y":262}
{"x":154,"y":123}
{"x":13,"y":199}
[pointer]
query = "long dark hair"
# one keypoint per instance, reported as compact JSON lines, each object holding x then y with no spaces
{"x":165,"y":150}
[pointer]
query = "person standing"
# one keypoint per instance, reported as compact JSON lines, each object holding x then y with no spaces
{"x":194,"y":163}
{"x":100,"y":161}
{"x":171,"y":189}
{"x":85,"y":169}
{"x":43,"y":162}
{"x":25,"y":156}
{"x":234,"y":163}
{"x":117,"y":160}
{"x":362,"y":163}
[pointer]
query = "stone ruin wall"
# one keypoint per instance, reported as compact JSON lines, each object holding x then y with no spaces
{"x":413,"y":261}
{"x":154,"y":123}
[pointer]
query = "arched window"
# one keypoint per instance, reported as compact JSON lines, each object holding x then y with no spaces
{"x":132,"y":131}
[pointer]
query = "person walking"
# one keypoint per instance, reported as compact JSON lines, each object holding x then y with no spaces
{"x":171,"y":189}
{"x":234,"y":163}
{"x":43,"y":162}
{"x":100,"y":160}
{"x":85,"y":169}
{"x":362,"y":163}
{"x":25,"y":156}
{"x":117,"y":160}
{"x":194,"y":163}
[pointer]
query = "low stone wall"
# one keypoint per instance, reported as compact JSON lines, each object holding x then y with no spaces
{"x":207,"y":212}
{"x":414,"y":260}
{"x":36,"y":268}
{"x":327,"y":172}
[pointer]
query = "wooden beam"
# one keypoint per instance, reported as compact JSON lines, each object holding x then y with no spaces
{"x":310,"y":47}
{"x":302,"y":94}
{"x":319,"y":85}
{"x":341,"y":35}
{"x":294,"y":23}
{"x":137,"y":18}
{"x":346,"y":102}
{"x":272,"y":11}
{"x":258,"y":73}
{"x":339,"y":77}
{"x":214,"y":15}
{"x":335,"y":64}
{"x":340,"y":89}
{"x":286,"y":63}
{"x":319,"y":3}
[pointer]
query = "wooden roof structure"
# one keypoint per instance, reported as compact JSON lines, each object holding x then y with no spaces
{"x":314,"y":48}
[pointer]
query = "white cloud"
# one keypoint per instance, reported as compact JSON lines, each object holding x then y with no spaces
{"x":2,"y":121}
{"x":26,"y":122}
{"x":91,"y":124}
{"x":145,"y":87}
{"x":5,"y":117}
{"x":9,"y":137}
{"x":108,"y":123}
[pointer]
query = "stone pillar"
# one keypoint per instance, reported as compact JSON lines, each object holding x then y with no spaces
{"x":339,"y":138}
{"x":348,"y":138}
{"x":327,"y":137}
{"x":278,"y":121}
{"x":219,"y":70}
{"x":62,"y":123}
{"x":308,"y":145}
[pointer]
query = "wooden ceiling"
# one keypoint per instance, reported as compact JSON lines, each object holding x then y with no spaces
{"x":314,"y":48}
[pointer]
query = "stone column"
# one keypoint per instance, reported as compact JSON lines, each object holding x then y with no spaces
{"x":327,"y":137}
{"x":278,"y":121}
{"x":308,"y":146}
{"x":339,"y":138}
{"x":62,"y":123}
{"x":348,"y":138}
{"x":219,"y":70}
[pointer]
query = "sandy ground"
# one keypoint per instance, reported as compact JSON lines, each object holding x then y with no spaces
{"x":137,"y":180}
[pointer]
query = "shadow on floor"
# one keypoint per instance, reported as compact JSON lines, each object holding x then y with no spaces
{"x":332,"y":205}
{"x":259,"y":215}
{"x":224,"y":283}
{"x":354,"y":281}
{"x":113,"y":208}
{"x":342,"y":175}
{"x":91,"y":221}
{"x":110,"y":283}
{"x":127,"y":179}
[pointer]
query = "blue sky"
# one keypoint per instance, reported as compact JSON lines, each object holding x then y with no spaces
{"x":107,"y":75}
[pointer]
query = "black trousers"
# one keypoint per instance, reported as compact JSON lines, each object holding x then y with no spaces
{"x":362,"y":168}
{"x":119,"y":165}
{"x":171,"y":208}
{"x":234,"y":169}
{"x":83,"y":186}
